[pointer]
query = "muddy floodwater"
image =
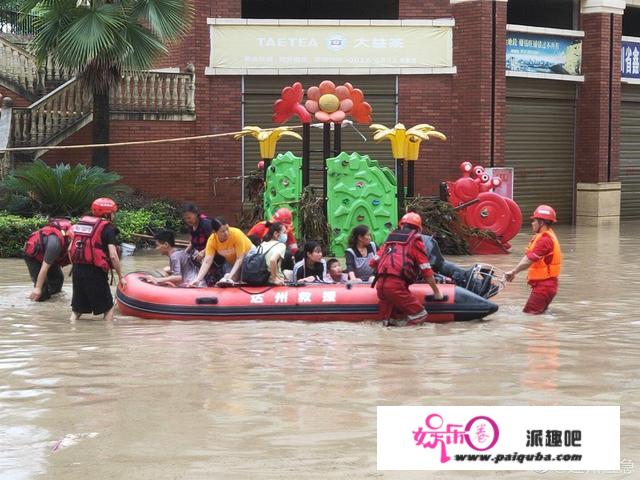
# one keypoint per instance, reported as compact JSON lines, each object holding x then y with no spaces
{"x":140,"y":399}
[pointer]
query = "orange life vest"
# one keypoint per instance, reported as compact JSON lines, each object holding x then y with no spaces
{"x":548,"y":266}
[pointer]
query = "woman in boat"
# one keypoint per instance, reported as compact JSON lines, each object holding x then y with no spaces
{"x":361,"y":250}
{"x":312,"y":267}
{"x":274,"y":245}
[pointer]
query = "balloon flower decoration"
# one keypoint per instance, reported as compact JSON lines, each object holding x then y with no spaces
{"x":405,"y":145}
{"x":267,"y":139}
{"x":330,"y":105}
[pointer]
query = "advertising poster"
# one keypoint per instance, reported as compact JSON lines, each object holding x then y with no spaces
{"x":534,"y":53}
{"x":630,"y":59}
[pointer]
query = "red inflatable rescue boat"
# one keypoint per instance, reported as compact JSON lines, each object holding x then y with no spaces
{"x":308,"y":302}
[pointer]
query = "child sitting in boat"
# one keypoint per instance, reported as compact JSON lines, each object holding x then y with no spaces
{"x":182,"y":269}
{"x":335,"y":273}
{"x":312,"y":267}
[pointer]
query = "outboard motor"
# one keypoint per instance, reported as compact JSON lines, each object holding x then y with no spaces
{"x":482,"y":279}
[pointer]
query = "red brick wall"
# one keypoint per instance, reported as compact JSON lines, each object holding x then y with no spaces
{"x":427,"y":99}
{"x":425,"y":9}
{"x":597,"y":157}
{"x":74,"y":156}
{"x":18,"y":101}
{"x":474,"y":83}
{"x":218,"y":110}
{"x":500,"y":84}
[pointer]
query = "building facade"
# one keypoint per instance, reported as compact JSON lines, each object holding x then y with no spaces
{"x":567,"y":127}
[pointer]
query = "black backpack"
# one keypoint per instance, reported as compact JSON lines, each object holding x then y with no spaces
{"x":255,"y":270}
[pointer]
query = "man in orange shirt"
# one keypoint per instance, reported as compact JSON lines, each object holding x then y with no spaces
{"x":229,"y":242}
{"x":543,"y":259}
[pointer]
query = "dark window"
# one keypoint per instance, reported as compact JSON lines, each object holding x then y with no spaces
{"x":321,"y":9}
{"x":542,"y":13}
{"x":631,"y":22}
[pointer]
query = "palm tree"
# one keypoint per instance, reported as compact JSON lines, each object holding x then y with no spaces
{"x":101,"y":39}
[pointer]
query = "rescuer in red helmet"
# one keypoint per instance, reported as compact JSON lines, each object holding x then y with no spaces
{"x":397,"y":264}
{"x":543,"y":258}
{"x":94,"y":254}
{"x":282,"y":215}
{"x":45,"y":253}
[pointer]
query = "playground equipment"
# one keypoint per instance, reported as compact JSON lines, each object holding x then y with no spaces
{"x":480,"y":207}
{"x":356,"y":189}
{"x":361,"y":192}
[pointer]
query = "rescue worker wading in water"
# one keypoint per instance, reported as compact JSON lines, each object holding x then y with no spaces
{"x":397,"y":264}
{"x":543,"y":258}
{"x":45,"y":253}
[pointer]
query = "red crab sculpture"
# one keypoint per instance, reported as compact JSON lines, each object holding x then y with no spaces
{"x":480,"y":207}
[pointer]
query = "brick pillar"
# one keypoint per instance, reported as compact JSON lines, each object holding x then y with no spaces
{"x":478,"y":102}
{"x":218,"y":110}
{"x":598,"y":115}
{"x":427,"y":99}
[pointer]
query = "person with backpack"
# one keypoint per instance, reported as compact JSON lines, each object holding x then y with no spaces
{"x":94,"y":254}
{"x":397,"y":264}
{"x":264,"y":266}
{"x":282,"y":215}
{"x":45,"y":253}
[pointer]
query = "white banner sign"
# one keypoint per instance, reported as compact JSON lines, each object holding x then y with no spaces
{"x":499,"y":438}
{"x":293,"y":47}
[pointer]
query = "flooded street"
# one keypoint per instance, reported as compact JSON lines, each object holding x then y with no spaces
{"x":200,"y":400}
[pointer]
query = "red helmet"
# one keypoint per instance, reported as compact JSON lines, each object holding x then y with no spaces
{"x":283,"y":215}
{"x":411,"y":218}
{"x":103,"y":206}
{"x":544,"y":212}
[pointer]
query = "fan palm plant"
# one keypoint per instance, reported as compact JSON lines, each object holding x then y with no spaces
{"x":101,"y":39}
{"x":63,"y":189}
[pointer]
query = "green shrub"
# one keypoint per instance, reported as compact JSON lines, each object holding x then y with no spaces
{"x":166,"y":209}
{"x":60,"y":190}
{"x":146,"y":221}
{"x":14,"y":231}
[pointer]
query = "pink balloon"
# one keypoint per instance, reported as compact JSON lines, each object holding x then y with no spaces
{"x":337,"y":116}
{"x":312,"y":106}
{"x":342,"y":92}
{"x":346,"y":105}
{"x":261,"y":165}
{"x":313,"y":93}
{"x":322,"y":116}
{"x":327,"y":86}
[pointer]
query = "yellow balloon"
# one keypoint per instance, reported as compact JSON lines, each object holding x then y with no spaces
{"x":329,"y":103}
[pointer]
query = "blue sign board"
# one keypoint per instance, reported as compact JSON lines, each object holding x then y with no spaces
{"x":535,"y":53}
{"x":630,"y":62}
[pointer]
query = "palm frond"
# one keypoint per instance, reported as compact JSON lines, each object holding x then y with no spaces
{"x":89,"y":36}
{"x":63,"y":189}
{"x":147,"y":47}
{"x":169,"y":19}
